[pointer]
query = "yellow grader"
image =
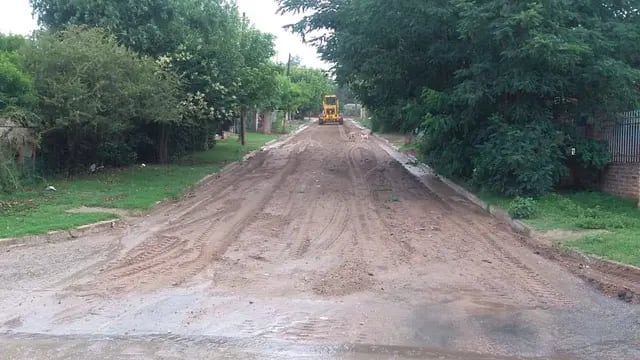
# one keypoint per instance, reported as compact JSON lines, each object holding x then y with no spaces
{"x":330,"y":111}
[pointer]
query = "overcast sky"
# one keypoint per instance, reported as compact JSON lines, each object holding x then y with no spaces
{"x":15,"y":17}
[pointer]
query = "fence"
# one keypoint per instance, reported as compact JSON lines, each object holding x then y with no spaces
{"x":624,"y":138}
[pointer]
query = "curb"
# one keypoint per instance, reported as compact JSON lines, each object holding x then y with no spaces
{"x":61,"y":235}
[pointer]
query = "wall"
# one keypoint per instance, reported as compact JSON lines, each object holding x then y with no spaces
{"x":622,"y":180}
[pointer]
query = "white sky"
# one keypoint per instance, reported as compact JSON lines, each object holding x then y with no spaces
{"x":15,"y":17}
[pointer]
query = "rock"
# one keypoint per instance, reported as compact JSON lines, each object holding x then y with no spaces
{"x":626,"y":295}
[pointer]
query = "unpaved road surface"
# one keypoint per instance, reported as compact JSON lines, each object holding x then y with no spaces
{"x":319,"y":247}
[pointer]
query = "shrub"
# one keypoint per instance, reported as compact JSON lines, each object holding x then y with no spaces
{"x":588,"y":162}
{"x":522,"y":208}
{"x":519,"y":159}
{"x":91,"y":90}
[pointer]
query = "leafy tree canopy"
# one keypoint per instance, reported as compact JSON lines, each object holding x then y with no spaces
{"x":489,"y":83}
{"x":16,"y":86}
{"x":92,"y":90}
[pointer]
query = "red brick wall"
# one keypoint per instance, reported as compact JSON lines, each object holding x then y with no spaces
{"x":622,"y":180}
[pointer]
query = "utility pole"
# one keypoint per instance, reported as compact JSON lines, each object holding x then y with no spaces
{"x":286,"y":113}
{"x":243,"y":111}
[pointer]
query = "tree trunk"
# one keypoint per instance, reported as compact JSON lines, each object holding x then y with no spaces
{"x":163,"y":144}
{"x":266,"y":123}
{"x":243,"y":115}
{"x":284,"y":122}
{"x":71,"y":147}
{"x":205,"y":145}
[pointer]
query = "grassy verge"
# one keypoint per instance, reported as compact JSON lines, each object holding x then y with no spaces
{"x":291,"y":125}
{"x":36,"y":211}
{"x":612,"y":224}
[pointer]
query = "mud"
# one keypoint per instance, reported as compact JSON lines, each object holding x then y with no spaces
{"x":319,"y":247}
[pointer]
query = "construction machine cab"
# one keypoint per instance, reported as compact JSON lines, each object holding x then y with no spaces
{"x":330,"y":110}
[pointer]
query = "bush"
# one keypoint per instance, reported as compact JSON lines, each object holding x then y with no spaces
{"x":115,"y":153}
{"x":16,"y":88}
{"x":519,"y":159}
{"x":589,"y":161}
{"x":92,"y":93}
{"x":444,"y":149}
{"x":522,"y":208}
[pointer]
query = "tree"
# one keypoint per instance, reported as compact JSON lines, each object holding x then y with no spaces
{"x":489,"y":83}
{"x":17,"y":97}
{"x":16,"y":87}
{"x":93,"y":92}
{"x":257,"y":75}
{"x":291,"y":95}
{"x":146,"y":26}
{"x":312,"y":85}
{"x":217,"y":55}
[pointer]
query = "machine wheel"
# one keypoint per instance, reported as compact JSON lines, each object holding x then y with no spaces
{"x":320,"y":122}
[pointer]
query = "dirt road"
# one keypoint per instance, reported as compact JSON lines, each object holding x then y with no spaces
{"x":319,"y":247}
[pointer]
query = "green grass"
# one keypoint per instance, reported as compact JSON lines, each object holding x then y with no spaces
{"x":35,"y":211}
{"x":413,"y":147}
{"x":622,"y":246}
{"x":618,"y":219}
{"x":291,"y":125}
{"x":228,"y":150}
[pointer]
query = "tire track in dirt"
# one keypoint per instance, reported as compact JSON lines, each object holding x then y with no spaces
{"x":467,"y":227}
{"x":224,"y":185}
{"x":150,"y":264}
{"x":351,"y":273}
{"x":309,"y":208}
{"x":396,"y":242}
{"x":488,"y":244}
{"x":313,"y":226}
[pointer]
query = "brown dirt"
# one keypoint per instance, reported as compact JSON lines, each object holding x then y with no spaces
{"x":616,"y":280}
{"x":321,"y":241}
